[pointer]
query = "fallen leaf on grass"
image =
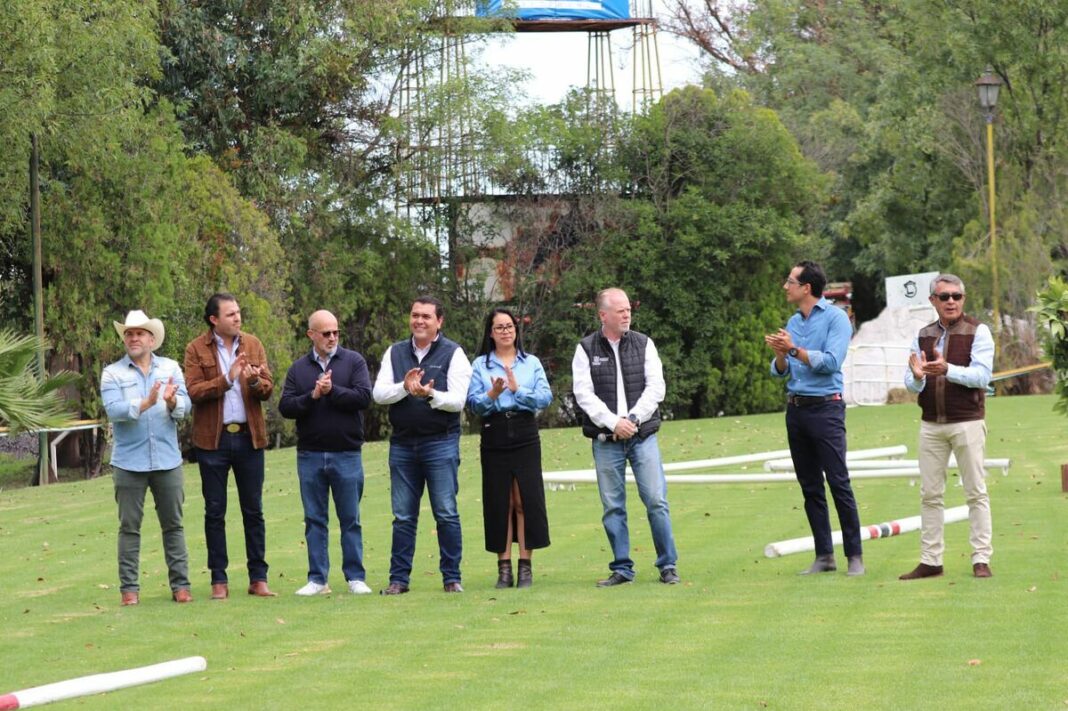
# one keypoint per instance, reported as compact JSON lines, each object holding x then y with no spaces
{"x":518,"y":612}
{"x":280,"y":621}
{"x":1032,"y":588}
{"x":104,"y":586}
{"x":974,"y":662}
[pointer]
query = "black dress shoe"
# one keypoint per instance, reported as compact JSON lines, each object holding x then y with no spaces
{"x":526,"y":574}
{"x":669,"y":576}
{"x":613,"y":580}
{"x":395,"y":589}
{"x":504,"y":574}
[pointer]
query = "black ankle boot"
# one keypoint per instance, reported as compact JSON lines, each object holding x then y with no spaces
{"x":526,"y":575}
{"x":504,"y":574}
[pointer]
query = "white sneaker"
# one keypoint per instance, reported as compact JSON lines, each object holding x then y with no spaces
{"x":359,"y":587}
{"x":314,"y":589}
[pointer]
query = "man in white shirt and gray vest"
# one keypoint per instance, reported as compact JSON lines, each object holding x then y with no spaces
{"x":619,"y":383}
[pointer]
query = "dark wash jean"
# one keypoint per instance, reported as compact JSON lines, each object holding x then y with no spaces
{"x":430,"y":462}
{"x":235,"y":452}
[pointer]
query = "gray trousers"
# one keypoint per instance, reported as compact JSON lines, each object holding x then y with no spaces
{"x":169,"y":494}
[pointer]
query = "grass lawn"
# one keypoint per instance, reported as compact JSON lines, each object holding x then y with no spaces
{"x":741,"y":632}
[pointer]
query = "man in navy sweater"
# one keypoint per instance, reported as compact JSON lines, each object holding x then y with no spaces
{"x":326,"y":392}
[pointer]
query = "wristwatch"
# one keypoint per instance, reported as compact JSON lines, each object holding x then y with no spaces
{"x":633,"y":418}
{"x":793,"y":352}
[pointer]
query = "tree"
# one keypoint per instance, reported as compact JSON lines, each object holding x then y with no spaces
{"x":27,"y":400}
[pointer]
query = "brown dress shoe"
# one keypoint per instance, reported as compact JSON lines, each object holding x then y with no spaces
{"x":454,"y":588}
{"x":182,"y":595}
{"x":220,"y":591}
{"x":259,"y":589}
{"x":395,"y":589}
{"x":130,"y":598}
{"x":922,"y":571}
{"x":981,"y":570}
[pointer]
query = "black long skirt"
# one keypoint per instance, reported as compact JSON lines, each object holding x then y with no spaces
{"x":511,"y":451}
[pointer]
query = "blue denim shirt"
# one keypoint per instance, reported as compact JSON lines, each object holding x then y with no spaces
{"x":825,"y":334}
{"x":144,"y":441}
{"x":532,"y":395}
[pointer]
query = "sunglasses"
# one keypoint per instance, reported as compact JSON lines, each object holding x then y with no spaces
{"x":946,"y":296}
{"x":329,"y":334}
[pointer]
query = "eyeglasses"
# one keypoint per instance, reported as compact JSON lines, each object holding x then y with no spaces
{"x":504,"y":328}
{"x":329,"y":334}
{"x":946,"y":296}
{"x":792,"y":281}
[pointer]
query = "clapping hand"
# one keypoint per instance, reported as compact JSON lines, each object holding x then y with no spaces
{"x":170,"y":393}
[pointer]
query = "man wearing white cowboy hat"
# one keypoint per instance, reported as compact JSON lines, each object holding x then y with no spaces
{"x":144,"y":396}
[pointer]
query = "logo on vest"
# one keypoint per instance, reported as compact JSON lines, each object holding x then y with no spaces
{"x":599,"y":360}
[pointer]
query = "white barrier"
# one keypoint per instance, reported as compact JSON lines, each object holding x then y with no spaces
{"x":100,"y":683}
{"x":851,"y":456}
{"x":881,"y":530}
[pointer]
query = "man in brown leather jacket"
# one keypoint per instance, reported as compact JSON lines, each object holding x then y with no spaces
{"x":228,"y":380}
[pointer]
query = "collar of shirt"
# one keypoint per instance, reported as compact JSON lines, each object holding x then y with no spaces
{"x":495,"y":361}
{"x":320,"y":360}
{"x":221,"y":344}
{"x":420,"y":353}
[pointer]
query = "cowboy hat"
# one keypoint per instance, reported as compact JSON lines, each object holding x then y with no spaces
{"x":138,"y":319}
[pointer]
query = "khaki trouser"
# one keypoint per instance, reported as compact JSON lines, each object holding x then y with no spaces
{"x":966,"y":440}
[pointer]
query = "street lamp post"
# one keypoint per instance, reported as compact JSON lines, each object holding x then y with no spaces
{"x":987,"y":86}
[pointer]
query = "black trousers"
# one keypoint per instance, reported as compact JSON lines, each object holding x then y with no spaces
{"x":817,"y":437}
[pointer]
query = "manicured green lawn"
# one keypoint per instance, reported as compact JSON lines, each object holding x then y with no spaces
{"x":742,"y":631}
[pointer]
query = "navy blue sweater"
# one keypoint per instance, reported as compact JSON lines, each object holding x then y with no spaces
{"x":334,"y":422}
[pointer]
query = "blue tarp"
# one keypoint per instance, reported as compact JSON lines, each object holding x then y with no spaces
{"x":556,"y":9}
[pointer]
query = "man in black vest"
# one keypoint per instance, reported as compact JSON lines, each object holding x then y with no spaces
{"x":424,"y":381}
{"x":950,"y":367}
{"x":618,"y":383}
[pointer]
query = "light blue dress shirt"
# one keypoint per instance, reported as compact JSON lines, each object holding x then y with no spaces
{"x":533,"y":393}
{"x":976,"y":374}
{"x":825,"y":334}
{"x":144,"y":441}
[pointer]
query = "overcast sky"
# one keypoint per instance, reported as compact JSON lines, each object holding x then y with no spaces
{"x":557,"y":61}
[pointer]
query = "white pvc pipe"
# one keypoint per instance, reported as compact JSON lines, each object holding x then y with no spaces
{"x":590,"y":477}
{"x":581,"y":475}
{"x":895,"y":451}
{"x":788,"y":466}
{"x":881,"y":530}
{"x":100,"y":683}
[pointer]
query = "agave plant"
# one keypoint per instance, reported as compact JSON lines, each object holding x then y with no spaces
{"x":28,"y":401}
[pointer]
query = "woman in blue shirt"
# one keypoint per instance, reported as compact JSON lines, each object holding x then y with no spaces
{"x":508,"y":387}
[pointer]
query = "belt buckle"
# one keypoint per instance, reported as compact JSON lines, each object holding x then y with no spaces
{"x":233,"y":427}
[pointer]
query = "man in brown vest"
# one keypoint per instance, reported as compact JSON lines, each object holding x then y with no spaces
{"x":950,"y":368}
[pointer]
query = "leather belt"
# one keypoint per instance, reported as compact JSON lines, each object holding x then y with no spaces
{"x":236,"y":427}
{"x":511,"y":414}
{"x":805,"y":400}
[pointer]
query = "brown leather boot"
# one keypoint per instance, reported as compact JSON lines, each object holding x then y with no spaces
{"x":504,"y":574}
{"x":526,"y":575}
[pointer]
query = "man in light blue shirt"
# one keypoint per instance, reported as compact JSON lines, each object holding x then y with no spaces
{"x":809,"y":353}
{"x":144,"y":396}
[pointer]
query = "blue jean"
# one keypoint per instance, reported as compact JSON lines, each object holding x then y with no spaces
{"x":610,"y":459}
{"x":432,"y":462}
{"x":235,"y":452}
{"x":321,"y":473}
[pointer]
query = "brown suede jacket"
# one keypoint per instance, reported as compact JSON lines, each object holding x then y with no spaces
{"x":206,"y":383}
